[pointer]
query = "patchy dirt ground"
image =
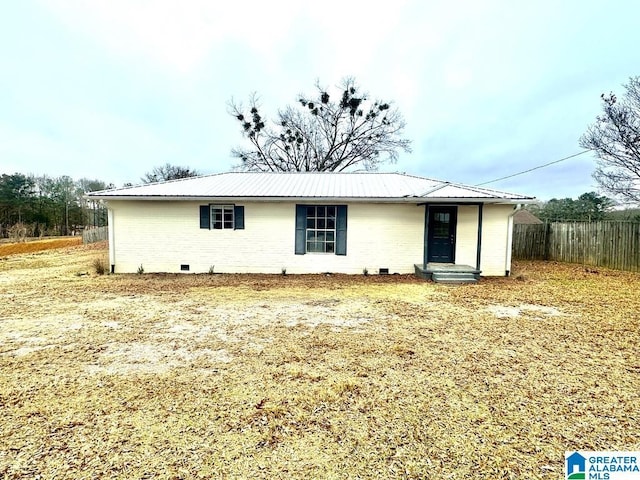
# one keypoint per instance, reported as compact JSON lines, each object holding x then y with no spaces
{"x":33,"y":245}
{"x":240,"y":376}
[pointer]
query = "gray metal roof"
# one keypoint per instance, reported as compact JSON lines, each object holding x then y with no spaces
{"x":314,"y":185}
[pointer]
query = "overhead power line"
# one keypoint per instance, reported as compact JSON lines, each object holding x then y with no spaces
{"x":534,"y":168}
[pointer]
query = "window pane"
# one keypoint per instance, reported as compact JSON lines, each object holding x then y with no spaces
{"x":311,"y":235}
{"x":441,"y":230}
{"x":330,"y":236}
{"x":322,"y":223}
{"x":311,"y":211}
{"x":228,"y":218}
{"x":330,"y":247}
{"x":331,"y":223}
{"x":314,"y":247}
{"x":331,"y":211}
{"x":311,"y":223}
{"x":216,"y":217}
{"x":320,"y":211}
{"x":441,"y":225}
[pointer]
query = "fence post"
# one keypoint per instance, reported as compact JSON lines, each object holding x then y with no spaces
{"x":547,"y":240}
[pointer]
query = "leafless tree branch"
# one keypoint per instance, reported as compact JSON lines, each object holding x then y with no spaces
{"x":615,"y":139}
{"x":321,"y":133}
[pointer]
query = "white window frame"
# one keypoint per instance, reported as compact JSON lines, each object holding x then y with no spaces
{"x":224,"y":224}
{"x":321,"y":227}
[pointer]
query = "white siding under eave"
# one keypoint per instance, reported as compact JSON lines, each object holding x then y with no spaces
{"x":467,"y":235}
{"x":495,"y":239}
{"x":112,"y":243}
{"x":162,"y":236}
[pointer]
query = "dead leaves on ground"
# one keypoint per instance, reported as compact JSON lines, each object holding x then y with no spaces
{"x":240,"y":376}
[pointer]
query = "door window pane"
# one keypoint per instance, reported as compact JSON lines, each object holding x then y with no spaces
{"x":441,"y":224}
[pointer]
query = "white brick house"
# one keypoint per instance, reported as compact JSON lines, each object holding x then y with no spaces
{"x":308,"y":223}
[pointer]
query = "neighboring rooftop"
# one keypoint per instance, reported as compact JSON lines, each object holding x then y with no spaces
{"x":525,"y":217}
{"x":258,"y":185}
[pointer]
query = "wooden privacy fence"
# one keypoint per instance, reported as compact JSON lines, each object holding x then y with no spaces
{"x":606,"y":244}
{"x":94,"y":234}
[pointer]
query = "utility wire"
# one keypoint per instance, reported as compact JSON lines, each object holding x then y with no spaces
{"x":534,"y":168}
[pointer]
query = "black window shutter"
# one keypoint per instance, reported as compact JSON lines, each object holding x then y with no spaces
{"x":301,"y":223}
{"x":238,"y":214}
{"x":205,"y":213}
{"x":341,"y":230}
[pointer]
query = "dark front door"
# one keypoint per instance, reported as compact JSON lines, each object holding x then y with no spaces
{"x":441,"y":236}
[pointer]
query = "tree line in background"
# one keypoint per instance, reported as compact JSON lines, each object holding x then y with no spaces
{"x":588,"y":207}
{"x":35,"y":206}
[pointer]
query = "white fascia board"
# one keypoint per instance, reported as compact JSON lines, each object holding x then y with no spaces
{"x":262,"y":199}
{"x":310,"y":200}
{"x":475,"y":201}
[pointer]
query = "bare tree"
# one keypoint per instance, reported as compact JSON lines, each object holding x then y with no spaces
{"x":321,"y":133}
{"x":615,"y":139}
{"x":168,"y":172}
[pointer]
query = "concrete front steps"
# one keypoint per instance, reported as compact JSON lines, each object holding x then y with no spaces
{"x":448,"y":273}
{"x":453,"y":277}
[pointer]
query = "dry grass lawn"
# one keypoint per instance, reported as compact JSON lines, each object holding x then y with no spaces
{"x":336,"y":377}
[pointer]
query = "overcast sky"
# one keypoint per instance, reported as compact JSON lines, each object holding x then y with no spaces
{"x":109,"y":89}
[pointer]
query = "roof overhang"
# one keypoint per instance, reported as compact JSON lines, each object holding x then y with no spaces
{"x":396,"y":200}
{"x":310,"y":187}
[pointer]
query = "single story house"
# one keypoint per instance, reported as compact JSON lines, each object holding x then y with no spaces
{"x":248,"y":222}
